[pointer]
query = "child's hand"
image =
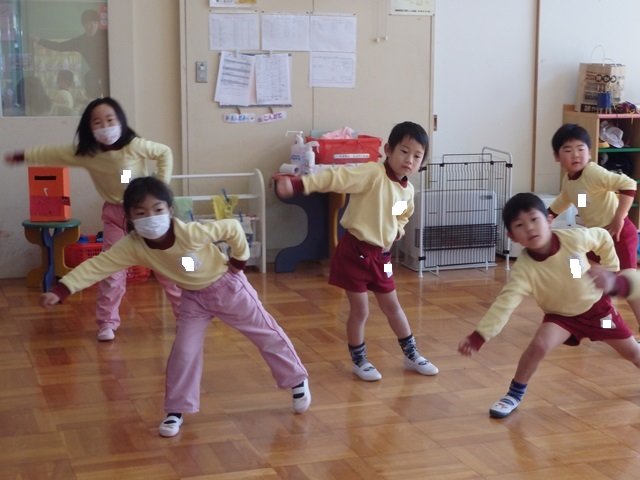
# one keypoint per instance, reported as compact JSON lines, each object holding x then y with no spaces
{"x":284,"y":187}
{"x":615,"y":227}
{"x":603,"y":279}
{"x":14,"y":157}
{"x":49,"y":299}
{"x":465,"y":347}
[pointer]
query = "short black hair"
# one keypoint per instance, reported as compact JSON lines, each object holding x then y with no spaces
{"x":521,"y":202}
{"x":411,"y":130}
{"x":567,"y":132}
{"x":137,"y":191}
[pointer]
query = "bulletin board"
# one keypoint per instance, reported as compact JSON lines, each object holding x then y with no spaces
{"x":392,"y":83}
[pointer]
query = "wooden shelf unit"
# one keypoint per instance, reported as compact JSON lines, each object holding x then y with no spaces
{"x":629,"y":123}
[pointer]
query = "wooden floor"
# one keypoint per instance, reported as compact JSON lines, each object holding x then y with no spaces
{"x":73,"y":408}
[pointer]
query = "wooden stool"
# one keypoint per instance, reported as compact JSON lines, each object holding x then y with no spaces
{"x":52,"y":237}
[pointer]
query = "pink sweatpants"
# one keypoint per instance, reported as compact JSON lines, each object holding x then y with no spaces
{"x":232,"y":299}
{"x":111,"y":289}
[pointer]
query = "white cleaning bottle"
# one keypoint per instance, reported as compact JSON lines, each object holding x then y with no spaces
{"x":309,"y":158}
{"x":297,"y":150}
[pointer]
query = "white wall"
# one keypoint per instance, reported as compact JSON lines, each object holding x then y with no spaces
{"x":569,"y":32}
{"x":484,"y":80}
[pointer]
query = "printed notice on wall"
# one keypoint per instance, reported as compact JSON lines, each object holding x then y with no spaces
{"x":412,"y":7}
{"x":234,"y":31}
{"x":252,"y":80}
{"x":232,"y":3}
{"x":285,"y":32}
{"x":334,"y":70}
{"x":235,"y":79}
{"x":273,"y":79}
{"x":333,"y":33}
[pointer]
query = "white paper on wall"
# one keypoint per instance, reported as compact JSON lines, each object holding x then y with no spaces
{"x":235,"y":79}
{"x":337,"y":70}
{"x":333,"y":33}
{"x":273,"y":79}
{"x":234,"y":31}
{"x":285,"y":32}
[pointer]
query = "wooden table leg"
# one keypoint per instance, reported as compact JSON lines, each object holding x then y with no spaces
{"x":68,"y":236}
{"x":36,"y":276}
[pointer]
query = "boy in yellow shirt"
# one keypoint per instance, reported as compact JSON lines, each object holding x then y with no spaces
{"x":380,"y":204}
{"x":552,"y":269}
{"x":592,"y":189}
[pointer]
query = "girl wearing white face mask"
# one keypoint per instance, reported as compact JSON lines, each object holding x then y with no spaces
{"x":212,"y":286}
{"x":112,"y":153}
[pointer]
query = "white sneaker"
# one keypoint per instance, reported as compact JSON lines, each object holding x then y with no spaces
{"x":170,"y":426}
{"x":504,"y":407}
{"x":367,"y":372}
{"x":106,"y":334}
{"x":301,"y":403}
{"x":421,"y":365}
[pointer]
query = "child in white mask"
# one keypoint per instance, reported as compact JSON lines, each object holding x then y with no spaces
{"x":212,"y":285}
{"x":113,"y":154}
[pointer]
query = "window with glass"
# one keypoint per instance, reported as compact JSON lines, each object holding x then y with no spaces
{"x":53,"y":56}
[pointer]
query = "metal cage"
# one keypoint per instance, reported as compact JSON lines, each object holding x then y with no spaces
{"x":458,"y":219}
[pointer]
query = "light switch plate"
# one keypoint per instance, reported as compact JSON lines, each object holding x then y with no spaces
{"x":201,"y":72}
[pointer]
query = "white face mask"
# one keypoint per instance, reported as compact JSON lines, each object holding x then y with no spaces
{"x":108,"y":135}
{"x":152,"y":227}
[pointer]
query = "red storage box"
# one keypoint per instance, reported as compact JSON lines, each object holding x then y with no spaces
{"x":49,"y":194}
{"x":363,"y":149}
{"x":77,"y":253}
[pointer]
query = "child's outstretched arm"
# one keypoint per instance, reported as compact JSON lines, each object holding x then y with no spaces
{"x":284,"y":187}
{"x":623,"y":284}
{"x":49,"y":299}
{"x":470,"y":344}
{"x":498,"y":314}
{"x":14,"y":157}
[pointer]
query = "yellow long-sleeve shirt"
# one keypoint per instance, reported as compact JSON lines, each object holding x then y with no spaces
{"x":105,"y":168}
{"x":192,"y":240}
{"x":550,"y":282}
{"x":599,"y":185}
{"x":373,"y":200}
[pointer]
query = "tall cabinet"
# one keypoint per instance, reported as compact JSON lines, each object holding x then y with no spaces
{"x":629,"y":123}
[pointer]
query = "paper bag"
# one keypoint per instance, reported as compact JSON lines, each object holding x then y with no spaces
{"x":598,"y":78}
